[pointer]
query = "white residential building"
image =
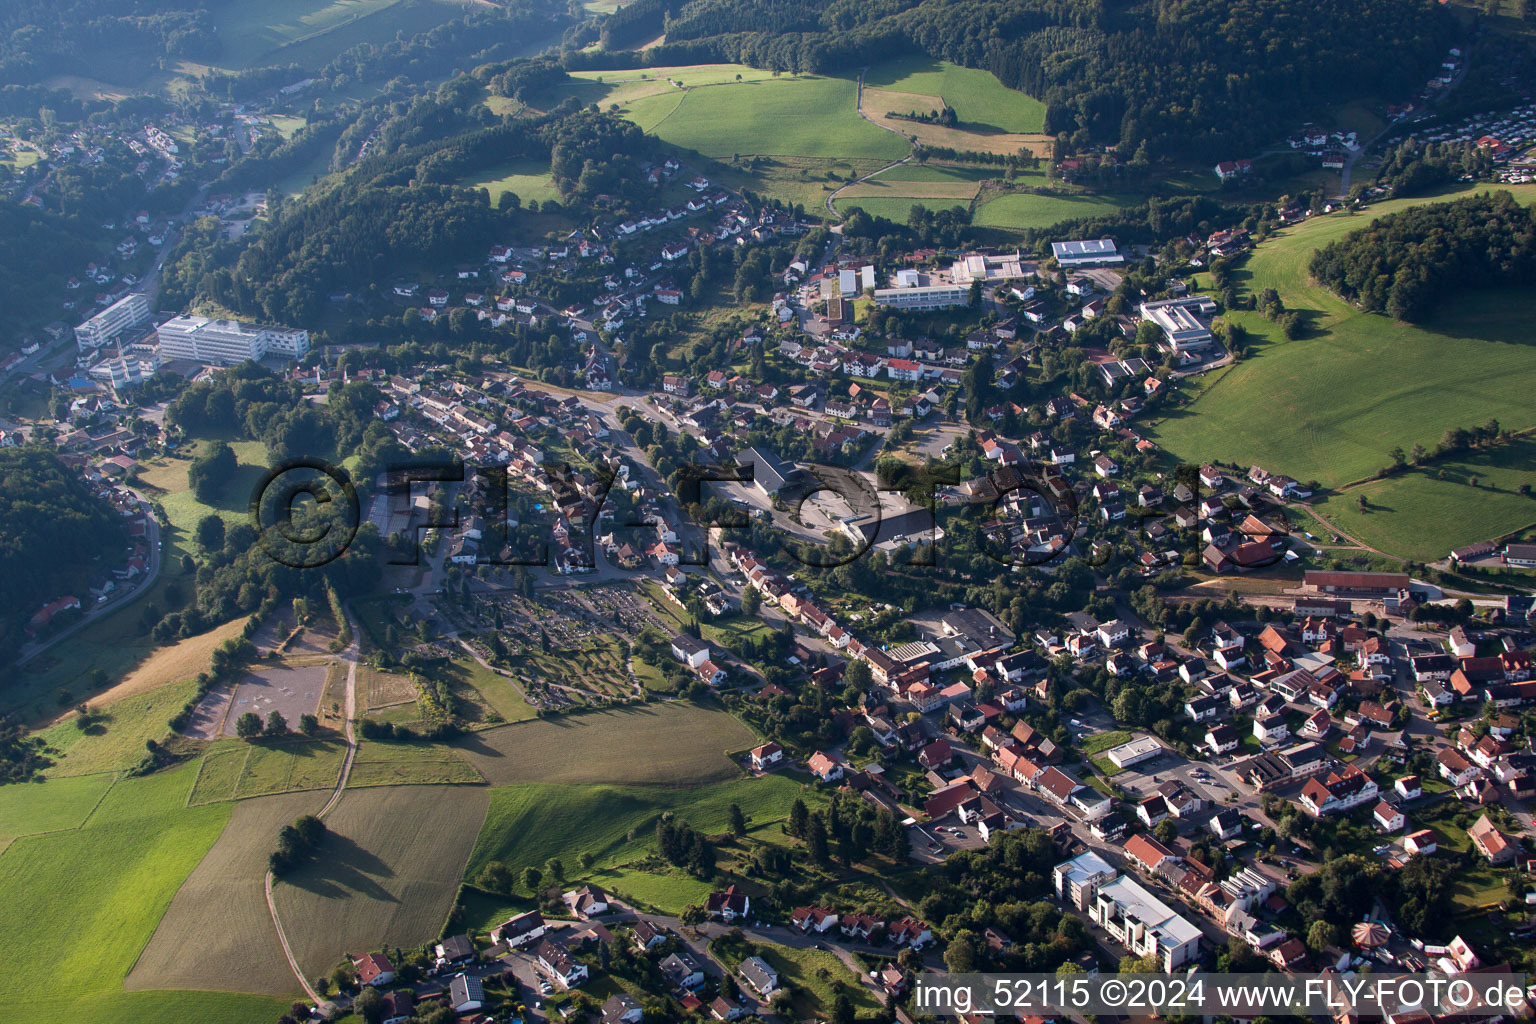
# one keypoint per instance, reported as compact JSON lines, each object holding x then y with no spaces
{"x":1144,"y":925}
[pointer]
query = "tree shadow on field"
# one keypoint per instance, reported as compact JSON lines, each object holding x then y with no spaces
{"x":343,"y":868}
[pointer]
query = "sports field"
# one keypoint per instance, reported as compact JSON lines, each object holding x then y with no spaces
{"x":671,"y":744}
{"x":791,"y":116}
{"x":219,"y":915}
{"x":1020,"y":210}
{"x":91,"y":899}
{"x":386,"y":875}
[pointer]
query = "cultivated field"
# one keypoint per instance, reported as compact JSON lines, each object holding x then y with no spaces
{"x":91,"y":899}
{"x":1331,"y":405}
{"x":386,"y":875}
{"x":673,"y":744}
{"x":793,"y":116}
{"x":219,"y":916}
{"x":1020,"y":210}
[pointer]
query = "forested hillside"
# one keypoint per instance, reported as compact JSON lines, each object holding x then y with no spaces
{"x":1406,"y":264}
{"x":44,"y":37}
{"x":1207,"y":78}
{"x":398,"y":209}
{"x":53,"y":528}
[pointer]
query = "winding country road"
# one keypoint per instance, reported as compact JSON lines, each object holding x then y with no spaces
{"x":858,"y":106}
{"x":351,"y":655}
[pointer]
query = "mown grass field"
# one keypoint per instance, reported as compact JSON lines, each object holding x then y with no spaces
{"x":1330,"y":406}
{"x":408,"y":764}
{"x":793,"y":116}
{"x":237,"y":770}
{"x":894,"y":208}
{"x":1020,"y":210}
{"x":977,"y":97}
{"x":167,"y":483}
{"x":90,"y":900}
{"x":605,"y":87}
{"x":386,"y":875}
{"x":672,"y":744}
{"x":52,"y":806}
{"x":219,"y":915}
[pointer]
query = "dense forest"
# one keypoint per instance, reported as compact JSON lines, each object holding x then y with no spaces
{"x":53,"y":528}
{"x":1405,"y":264}
{"x":39,"y":38}
{"x":1207,"y":78}
{"x":39,"y":250}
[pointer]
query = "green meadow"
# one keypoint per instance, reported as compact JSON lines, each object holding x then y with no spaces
{"x":790,"y":116}
{"x":978,"y":98}
{"x":1020,"y":210}
{"x":1330,"y":405}
{"x":91,"y":898}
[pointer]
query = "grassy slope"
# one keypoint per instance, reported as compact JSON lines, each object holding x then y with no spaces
{"x":118,"y":742}
{"x":803,"y":116}
{"x":91,"y":899}
{"x":530,"y":823}
{"x":1331,"y":405}
{"x":977,"y":97}
{"x":526,"y":179}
